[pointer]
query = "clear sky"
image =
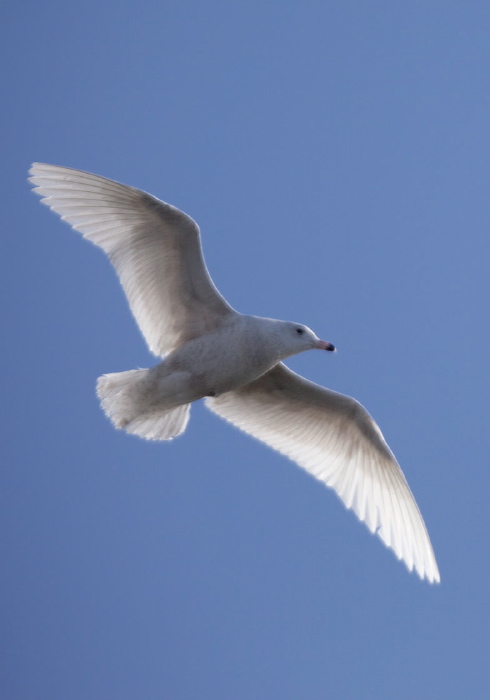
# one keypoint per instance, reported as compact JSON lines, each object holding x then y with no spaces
{"x":336,"y":156}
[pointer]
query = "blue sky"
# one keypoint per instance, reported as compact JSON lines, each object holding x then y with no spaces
{"x":336,"y":156}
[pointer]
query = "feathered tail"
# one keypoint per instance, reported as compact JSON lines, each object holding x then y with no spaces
{"x":131,"y":405}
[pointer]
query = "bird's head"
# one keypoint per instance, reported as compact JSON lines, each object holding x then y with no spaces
{"x":295,"y":338}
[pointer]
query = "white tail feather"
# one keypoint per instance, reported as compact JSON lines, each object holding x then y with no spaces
{"x":131,"y":405}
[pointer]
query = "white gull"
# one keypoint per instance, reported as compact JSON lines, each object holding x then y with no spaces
{"x":235,"y":361}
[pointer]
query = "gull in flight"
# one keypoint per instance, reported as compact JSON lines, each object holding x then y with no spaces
{"x":234,"y":361}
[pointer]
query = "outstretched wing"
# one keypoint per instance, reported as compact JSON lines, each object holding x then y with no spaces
{"x":154,"y":247}
{"x":334,"y":438}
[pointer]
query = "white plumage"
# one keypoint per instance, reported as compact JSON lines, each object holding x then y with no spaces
{"x":210,"y":350}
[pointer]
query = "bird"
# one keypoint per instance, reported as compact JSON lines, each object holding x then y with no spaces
{"x":235,"y":362}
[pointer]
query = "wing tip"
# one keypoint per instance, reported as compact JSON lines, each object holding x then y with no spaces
{"x":37,"y":166}
{"x":426,"y":571}
{"x":434,"y":576}
{"x":38,"y":171}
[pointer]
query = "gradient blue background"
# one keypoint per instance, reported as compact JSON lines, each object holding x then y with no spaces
{"x":336,"y":156}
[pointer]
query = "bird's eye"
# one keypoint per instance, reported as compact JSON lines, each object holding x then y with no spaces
{"x":300,"y":331}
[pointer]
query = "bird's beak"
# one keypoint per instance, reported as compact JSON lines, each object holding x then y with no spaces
{"x":323,"y":345}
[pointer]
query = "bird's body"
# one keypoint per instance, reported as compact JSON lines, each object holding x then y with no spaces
{"x":233,"y":360}
{"x":232,"y":355}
